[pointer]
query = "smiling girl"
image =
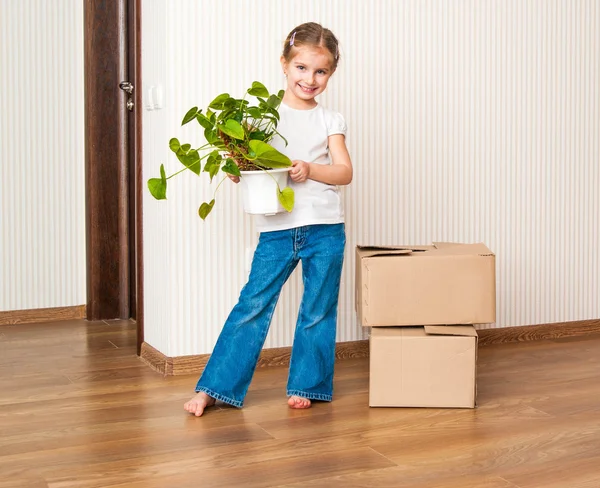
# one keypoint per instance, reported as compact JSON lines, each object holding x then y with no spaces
{"x":312,"y":234}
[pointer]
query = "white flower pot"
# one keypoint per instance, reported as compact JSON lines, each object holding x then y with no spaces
{"x":259,"y":190}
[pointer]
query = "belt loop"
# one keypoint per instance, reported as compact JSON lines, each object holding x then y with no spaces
{"x":295,"y":239}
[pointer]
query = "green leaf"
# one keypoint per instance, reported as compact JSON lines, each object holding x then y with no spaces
{"x":286,"y":198}
{"x":174,"y":144}
{"x":255,"y":112}
{"x":227,"y":113}
{"x":273,"y":112}
{"x":158,"y":186}
{"x":191,"y":160}
{"x":267,"y":156}
{"x":281,"y":93}
{"x":273,"y":101}
{"x":258,"y":90}
{"x":215,"y":156}
{"x":230,"y":104}
{"x":213,"y":164}
{"x":205,"y":209}
{"x":218,"y":102}
{"x":232,"y":128}
{"x":190,"y":115}
{"x":213,"y":169}
{"x":203,"y":121}
{"x":258,"y":135}
{"x":231,"y":168}
{"x":211,"y":136}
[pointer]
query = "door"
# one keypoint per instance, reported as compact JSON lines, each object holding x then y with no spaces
{"x":112,"y":160}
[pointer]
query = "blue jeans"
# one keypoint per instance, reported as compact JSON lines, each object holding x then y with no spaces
{"x":231,"y":365}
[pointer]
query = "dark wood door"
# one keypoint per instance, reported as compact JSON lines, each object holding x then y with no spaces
{"x":112,"y":159}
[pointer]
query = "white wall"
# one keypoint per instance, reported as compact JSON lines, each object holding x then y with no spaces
{"x":42,"y":194}
{"x":468,"y":121}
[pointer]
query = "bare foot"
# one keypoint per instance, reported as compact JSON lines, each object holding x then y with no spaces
{"x":197,"y":404}
{"x":298,"y":402}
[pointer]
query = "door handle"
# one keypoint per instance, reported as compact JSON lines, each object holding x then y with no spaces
{"x":127,"y":87}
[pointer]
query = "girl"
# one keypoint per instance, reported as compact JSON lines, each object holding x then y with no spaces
{"x":312,"y":233}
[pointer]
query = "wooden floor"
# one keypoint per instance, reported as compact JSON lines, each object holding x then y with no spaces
{"x":79,"y":409}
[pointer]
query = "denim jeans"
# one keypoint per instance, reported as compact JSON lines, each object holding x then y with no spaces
{"x":231,"y":365}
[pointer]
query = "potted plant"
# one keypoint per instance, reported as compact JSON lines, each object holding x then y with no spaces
{"x":237,"y":137}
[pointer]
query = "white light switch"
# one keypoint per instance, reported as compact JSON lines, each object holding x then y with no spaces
{"x":157,"y":97}
{"x":150,"y":98}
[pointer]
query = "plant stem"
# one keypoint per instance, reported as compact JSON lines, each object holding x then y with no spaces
{"x":217,"y":188}
{"x":191,"y":166}
{"x":277,"y":184}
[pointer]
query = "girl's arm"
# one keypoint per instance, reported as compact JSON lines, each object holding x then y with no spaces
{"x":339,"y":172}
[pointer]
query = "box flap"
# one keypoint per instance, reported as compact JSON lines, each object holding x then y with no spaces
{"x":455,"y":330}
{"x":479,"y":248}
{"x":395,"y":246}
{"x":376,"y":250}
{"x":367,"y":252}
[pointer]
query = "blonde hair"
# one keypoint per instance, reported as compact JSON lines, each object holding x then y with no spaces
{"x":311,"y":34}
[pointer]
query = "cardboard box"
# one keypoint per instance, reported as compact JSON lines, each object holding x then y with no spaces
{"x":431,"y":366}
{"x":446,"y":283}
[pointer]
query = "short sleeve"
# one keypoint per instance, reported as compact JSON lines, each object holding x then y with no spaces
{"x":336,"y":124}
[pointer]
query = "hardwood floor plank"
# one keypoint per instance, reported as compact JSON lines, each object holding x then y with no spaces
{"x":537,"y":446}
{"x":578,"y":473}
{"x":33,"y":381}
{"x":395,"y":477}
{"x":25,"y":482}
{"x":265,"y":473}
{"x":87,"y":450}
{"x":218,"y":456}
{"x":43,"y":341}
{"x":79,"y":409}
{"x":109,"y":358}
{"x":67,"y":329}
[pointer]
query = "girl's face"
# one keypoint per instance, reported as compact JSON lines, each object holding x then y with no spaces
{"x":307,"y":75}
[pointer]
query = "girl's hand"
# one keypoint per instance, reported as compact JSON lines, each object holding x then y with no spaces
{"x":235,"y":179}
{"x":300,"y":171}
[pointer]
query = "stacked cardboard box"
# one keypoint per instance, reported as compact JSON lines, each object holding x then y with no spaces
{"x":421,"y":303}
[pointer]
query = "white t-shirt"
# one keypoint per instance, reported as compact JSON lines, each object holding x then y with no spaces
{"x":307,"y":132}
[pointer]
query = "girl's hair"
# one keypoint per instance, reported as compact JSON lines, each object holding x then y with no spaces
{"x":313,"y":35}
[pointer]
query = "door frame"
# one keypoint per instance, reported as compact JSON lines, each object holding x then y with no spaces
{"x":135,"y":36}
{"x":113,"y":181}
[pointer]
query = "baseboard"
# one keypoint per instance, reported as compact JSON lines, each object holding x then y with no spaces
{"x":277,"y":356}
{"x":42,"y":315}
{"x":280,"y":356}
{"x":559,"y":330}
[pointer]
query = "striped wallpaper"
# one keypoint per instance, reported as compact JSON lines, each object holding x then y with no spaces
{"x":468,"y":121}
{"x":42,"y":197}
